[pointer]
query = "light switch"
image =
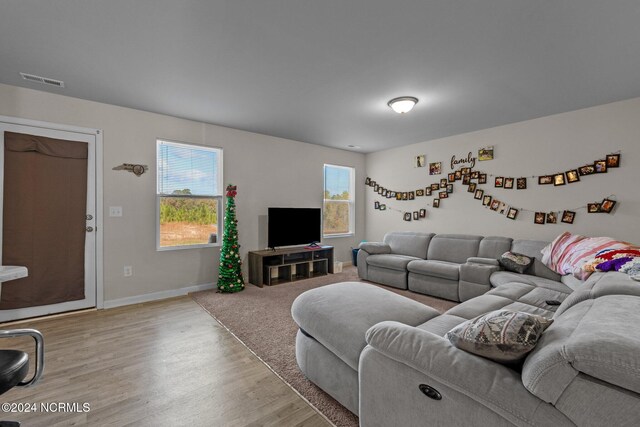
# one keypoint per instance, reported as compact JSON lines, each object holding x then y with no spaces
{"x":115,"y":210}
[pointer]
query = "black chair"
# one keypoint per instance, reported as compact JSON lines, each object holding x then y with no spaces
{"x":14,"y":364}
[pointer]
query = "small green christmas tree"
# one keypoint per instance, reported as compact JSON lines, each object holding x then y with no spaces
{"x":230,"y":273}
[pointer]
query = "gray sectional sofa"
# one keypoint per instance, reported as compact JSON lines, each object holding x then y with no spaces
{"x":456,"y":267}
{"x":384,"y":357}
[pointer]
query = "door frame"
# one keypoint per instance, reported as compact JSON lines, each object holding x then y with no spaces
{"x":99,"y":235}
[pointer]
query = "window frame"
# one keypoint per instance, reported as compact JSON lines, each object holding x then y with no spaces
{"x":219,"y":197}
{"x":351,"y":202}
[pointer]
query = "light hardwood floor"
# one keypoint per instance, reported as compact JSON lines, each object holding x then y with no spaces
{"x":163,"y":363}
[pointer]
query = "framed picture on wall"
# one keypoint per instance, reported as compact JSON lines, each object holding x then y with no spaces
{"x":508,"y":183}
{"x":451,"y":177}
{"x":513,"y":213}
{"x":458,"y":175}
{"x":568,"y":217}
{"x":495,"y":204}
{"x":521,"y":183}
{"x":419,"y":161}
{"x":466,"y":179}
{"x":407,"y":216}
{"x":485,"y":153}
{"x":478,"y":195}
{"x":412,"y":195}
{"x":475,"y":175}
{"x":552,"y":218}
{"x":607,"y":205}
{"x":383,"y":207}
{"x":539,"y":218}
{"x":443,"y":183}
{"x":465,"y":171}
{"x":558,"y":179}
{"x":435,"y":168}
{"x":423,"y":213}
{"x":486,"y":200}
{"x":545,"y":179}
{"x":420,"y":192}
{"x":613,"y":160}
{"x":499,"y":182}
{"x":472,"y":187}
{"x":593,"y":207}
{"x":436,"y":203}
{"x":600,"y":166}
{"x":482,"y":178}
{"x":443,"y":195}
{"x":572,"y":176}
{"x":416,"y":215}
{"x":367,"y":181}
{"x":398,"y":196}
{"x":435,"y":187}
{"x":376,"y":205}
{"x":427,"y":191}
{"x":587,"y":170}
{"x":449,"y":188}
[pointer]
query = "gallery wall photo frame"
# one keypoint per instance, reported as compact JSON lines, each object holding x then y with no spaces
{"x":613,"y":160}
{"x":485,"y":153}
{"x":568,"y":217}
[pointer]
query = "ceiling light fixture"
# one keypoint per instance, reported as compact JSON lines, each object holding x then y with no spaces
{"x":403,"y":104}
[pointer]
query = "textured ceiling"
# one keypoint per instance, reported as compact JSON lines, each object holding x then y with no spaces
{"x":322,"y":71}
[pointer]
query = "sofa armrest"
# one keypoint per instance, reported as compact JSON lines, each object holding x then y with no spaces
{"x":491,"y":384}
{"x":374,"y":248}
{"x":484,"y":261}
{"x":477,"y":273}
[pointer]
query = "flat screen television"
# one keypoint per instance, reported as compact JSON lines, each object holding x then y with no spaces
{"x":294,"y":226}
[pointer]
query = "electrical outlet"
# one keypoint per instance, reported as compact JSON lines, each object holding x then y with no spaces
{"x":115,"y":210}
{"x":128,"y":271}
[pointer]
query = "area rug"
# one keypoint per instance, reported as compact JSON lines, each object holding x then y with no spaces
{"x":261,"y":319}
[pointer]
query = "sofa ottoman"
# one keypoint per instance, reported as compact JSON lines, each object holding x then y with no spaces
{"x":333,"y":322}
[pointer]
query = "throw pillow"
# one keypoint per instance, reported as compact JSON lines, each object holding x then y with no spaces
{"x":501,"y":335}
{"x":515,"y":262}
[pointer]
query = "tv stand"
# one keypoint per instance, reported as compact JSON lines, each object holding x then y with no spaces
{"x":275,"y":266}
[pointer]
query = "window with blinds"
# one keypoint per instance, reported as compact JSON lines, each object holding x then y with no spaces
{"x":339,"y":201}
{"x":189,"y":195}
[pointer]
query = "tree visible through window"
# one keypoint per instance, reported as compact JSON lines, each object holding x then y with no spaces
{"x":189,"y":194}
{"x":338,"y":203}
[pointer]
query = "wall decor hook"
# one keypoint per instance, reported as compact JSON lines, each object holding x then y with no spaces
{"x":136,"y":169}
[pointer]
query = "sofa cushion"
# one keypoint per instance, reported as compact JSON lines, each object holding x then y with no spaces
{"x":453,"y":247}
{"x":494,"y":246}
{"x":515,"y":262}
{"x":338,"y":315}
{"x":533,"y":248}
{"x":391,"y":261}
{"x":505,"y":277}
{"x":434,"y":268}
{"x":409,"y":243}
{"x":592,"y":337}
{"x":501,"y":335}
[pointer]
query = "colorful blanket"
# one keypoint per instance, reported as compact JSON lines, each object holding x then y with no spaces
{"x":580,"y":255}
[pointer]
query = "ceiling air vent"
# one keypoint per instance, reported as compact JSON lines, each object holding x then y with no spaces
{"x":43,"y":80}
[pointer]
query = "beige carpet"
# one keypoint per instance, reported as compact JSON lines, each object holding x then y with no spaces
{"x":261,"y":319}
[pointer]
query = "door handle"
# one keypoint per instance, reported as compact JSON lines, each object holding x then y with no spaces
{"x":89,"y":229}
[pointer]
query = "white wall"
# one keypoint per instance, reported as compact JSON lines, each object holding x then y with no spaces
{"x":268,"y":171}
{"x":542,"y":146}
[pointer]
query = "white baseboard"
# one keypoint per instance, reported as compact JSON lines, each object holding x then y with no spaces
{"x":154,"y":296}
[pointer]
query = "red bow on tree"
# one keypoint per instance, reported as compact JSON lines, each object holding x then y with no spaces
{"x":231,"y":190}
